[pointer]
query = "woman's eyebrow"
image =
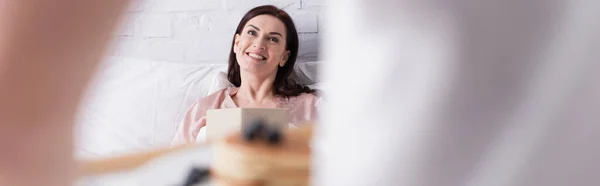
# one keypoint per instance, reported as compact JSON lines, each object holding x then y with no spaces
{"x":271,"y":33}
{"x":275,"y":33}
{"x":254,"y":27}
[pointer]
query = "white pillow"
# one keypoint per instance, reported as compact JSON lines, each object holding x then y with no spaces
{"x":219,"y":82}
{"x":137,"y":104}
{"x":306,"y":72}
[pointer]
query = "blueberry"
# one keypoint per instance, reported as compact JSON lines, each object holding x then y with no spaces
{"x":274,"y":135}
{"x":196,"y":175}
{"x":254,"y":130}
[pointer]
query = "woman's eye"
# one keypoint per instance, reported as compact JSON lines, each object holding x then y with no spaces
{"x":273,"y":39}
{"x":251,"y":32}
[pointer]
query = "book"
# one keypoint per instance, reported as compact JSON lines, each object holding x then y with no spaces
{"x":223,"y":122}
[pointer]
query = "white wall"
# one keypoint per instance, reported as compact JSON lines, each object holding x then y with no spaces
{"x":200,"y":31}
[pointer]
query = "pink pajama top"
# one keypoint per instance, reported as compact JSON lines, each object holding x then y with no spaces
{"x":301,"y":108}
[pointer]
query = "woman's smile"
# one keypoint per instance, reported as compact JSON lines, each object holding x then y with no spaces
{"x":255,"y":57}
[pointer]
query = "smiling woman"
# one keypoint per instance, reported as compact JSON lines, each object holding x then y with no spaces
{"x":261,"y":60}
{"x":279,"y":36}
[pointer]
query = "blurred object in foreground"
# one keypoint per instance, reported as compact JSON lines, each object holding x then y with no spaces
{"x":476,"y":93}
{"x":240,"y":161}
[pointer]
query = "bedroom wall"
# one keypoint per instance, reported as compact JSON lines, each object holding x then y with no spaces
{"x":200,"y":31}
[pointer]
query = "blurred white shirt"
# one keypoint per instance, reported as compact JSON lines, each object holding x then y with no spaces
{"x":475,"y":93}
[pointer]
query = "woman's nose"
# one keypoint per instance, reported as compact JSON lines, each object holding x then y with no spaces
{"x":258,"y":43}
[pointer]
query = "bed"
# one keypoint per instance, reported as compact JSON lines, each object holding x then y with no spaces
{"x":136,"y":105}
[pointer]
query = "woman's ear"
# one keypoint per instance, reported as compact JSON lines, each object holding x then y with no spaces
{"x":236,"y":42}
{"x":285,"y":58}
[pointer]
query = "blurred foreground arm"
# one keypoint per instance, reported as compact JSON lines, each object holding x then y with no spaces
{"x":48,"y":51}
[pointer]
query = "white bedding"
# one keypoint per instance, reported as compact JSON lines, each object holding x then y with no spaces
{"x":137,"y":104}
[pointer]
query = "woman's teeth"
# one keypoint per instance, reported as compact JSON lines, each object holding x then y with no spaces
{"x":256,"y":56}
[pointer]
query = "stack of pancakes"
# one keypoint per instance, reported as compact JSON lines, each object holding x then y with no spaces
{"x":239,"y":162}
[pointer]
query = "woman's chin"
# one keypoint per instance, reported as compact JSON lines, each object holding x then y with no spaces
{"x":252,"y":68}
{"x":256,"y":66}
{"x":253,"y":63}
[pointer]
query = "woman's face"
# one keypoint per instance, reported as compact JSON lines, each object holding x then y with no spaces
{"x":260,"y":47}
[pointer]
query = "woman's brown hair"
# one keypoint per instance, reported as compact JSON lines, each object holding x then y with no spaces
{"x":283,"y":85}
